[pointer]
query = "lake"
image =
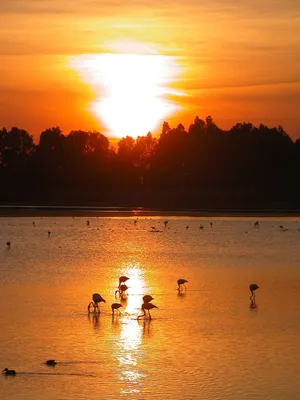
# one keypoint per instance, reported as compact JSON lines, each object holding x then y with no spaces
{"x":208,"y":341}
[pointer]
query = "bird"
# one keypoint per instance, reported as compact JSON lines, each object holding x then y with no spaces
{"x":8,"y":245}
{"x":166,"y":223}
{"x":49,"y":233}
{"x":122,"y":290}
{"x":148,"y":307}
{"x":187,"y":227}
{"x":7,"y":371}
{"x":51,"y":363}
{"x":88,"y":223}
{"x":116,"y":306}
{"x":201,"y":227}
{"x":256,"y":224}
{"x":181,"y":283}
{"x":122,"y":279}
{"x":252,"y":289}
{"x":97,"y":298}
{"x":147,"y":298}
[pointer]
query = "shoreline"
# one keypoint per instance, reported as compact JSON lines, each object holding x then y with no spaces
{"x":101,"y":211}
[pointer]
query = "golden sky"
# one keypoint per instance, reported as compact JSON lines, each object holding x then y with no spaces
{"x":235,"y":60}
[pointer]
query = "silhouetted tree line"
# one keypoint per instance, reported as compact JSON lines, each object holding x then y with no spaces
{"x":202,"y":167}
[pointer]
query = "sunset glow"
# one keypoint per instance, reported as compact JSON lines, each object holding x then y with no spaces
{"x":132,"y":90}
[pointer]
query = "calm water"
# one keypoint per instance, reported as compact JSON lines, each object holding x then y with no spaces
{"x":209,"y":343}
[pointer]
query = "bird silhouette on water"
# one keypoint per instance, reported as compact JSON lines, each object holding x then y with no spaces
{"x":181,"y":284}
{"x":252,"y":289}
{"x":51,"y":363}
{"x":147,"y":298}
{"x":116,"y":306}
{"x":7,"y":371}
{"x":148,"y":307}
{"x":97,"y":298}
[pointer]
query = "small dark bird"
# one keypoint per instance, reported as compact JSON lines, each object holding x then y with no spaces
{"x":256,"y":224}
{"x":252,"y":289}
{"x":166,"y":223}
{"x":147,"y":298}
{"x":51,"y":363}
{"x":181,"y":283}
{"x":49,"y":233}
{"x":116,"y":306}
{"x":187,"y":227}
{"x":8,"y":245}
{"x":7,"y":371}
{"x":97,"y":298}
{"x":148,"y":307}
{"x":201,"y":227}
{"x":122,"y":279}
{"x":88,"y":223}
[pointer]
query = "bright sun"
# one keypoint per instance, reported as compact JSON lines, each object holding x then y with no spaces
{"x":132,"y":90}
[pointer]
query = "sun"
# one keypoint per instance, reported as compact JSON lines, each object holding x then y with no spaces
{"x":132,"y":90}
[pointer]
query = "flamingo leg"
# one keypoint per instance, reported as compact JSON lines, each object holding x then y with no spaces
{"x":149,"y":314}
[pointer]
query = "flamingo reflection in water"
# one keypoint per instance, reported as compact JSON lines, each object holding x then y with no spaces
{"x":97,"y":298}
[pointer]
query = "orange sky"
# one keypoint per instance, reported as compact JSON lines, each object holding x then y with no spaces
{"x":237,"y":61}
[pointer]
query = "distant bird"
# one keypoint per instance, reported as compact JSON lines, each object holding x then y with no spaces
{"x":211,"y":224}
{"x":8,"y":245}
{"x":7,"y":371}
{"x":187,"y":227}
{"x":283,"y":229}
{"x":88,"y":223}
{"x":252,"y":289}
{"x":256,"y":224}
{"x":97,"y":298}
{"x":49,"y":233}
{"x":135,"y":222}
{"x":51,"y":363}
{"x":122,"y":279}
{"x":33,"y":223}
{"x":181,"y":283}
{"x":147,"y":298}
{"x":201,"y":227}
{"x":166,"y":223}
{"x":116,"y":306}
{"x":148,"y":307}
{"x":122,"y":289}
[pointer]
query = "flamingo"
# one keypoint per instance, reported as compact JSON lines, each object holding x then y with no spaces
{"x":148,"y":307}
{"x":97,"y":298}
{"x":147,"y":298}
{"x":122,"y":290}
{"x":181,"y":282}
{"x":252,"y":289}
{"x":122,"y":279}
{"x":51,"y":363}
{"x":7,"y":371}
{"x":116,"y":306}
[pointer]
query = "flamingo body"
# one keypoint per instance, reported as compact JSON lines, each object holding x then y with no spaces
{"x":252,"y":289}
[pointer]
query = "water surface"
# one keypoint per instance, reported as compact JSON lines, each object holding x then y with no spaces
{"x":209,"y":342}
